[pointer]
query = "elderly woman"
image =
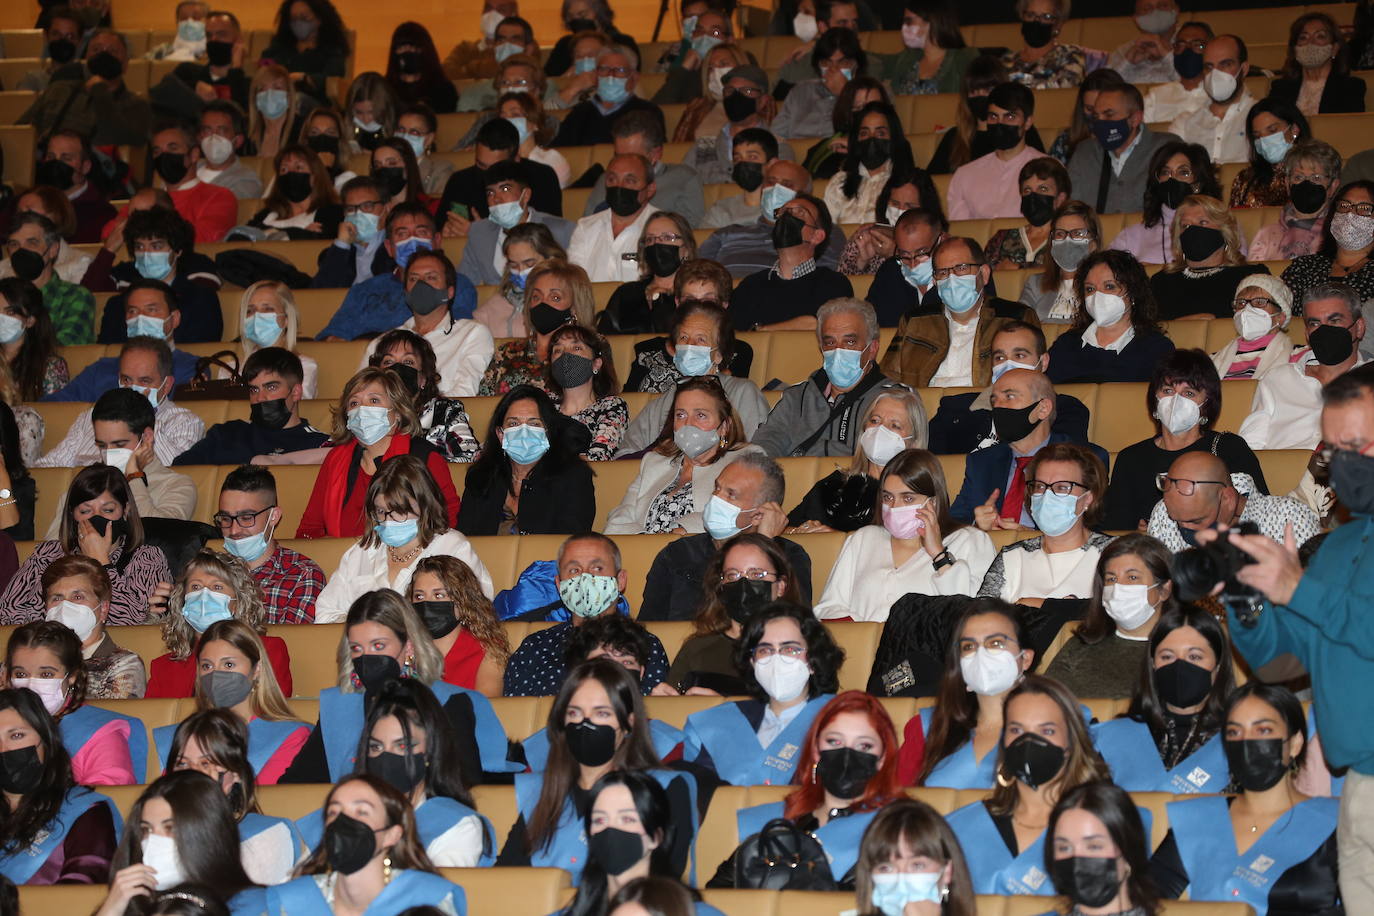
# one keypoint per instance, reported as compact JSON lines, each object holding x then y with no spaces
{"x":701,"y":435}
{"x":1347,"y":242}
{"x":1273,"y":126}
{"x":1207,"y":262}
{"x":1045,"y":187}
{"x":1176,"y":170}
{"x":646,"y":305}
{"x":526,"y":246}
{"x":269,"y":318}
{"x":1262,"y":308}
{"x":656,"y":363}
{"x":1043,"y":62}
{"x":556,"y":292}
{"x":1316,"y":76}
{"x":1075,"y":233}
{"x":1311,"y":173}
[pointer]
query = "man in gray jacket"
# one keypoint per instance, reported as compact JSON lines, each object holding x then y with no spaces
{"x":1111,"y":173}
{"x":508,"y":203}
{"x":679,"y":186}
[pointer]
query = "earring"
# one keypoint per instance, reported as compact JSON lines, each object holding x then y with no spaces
{"x":944,"y":894}
{"x":813,"y":770}
{"x":386,"y":869}
{"x":408,"y":669}
{"x":1003,"y":781}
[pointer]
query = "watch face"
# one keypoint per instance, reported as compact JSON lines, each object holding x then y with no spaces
{"x":5,"y":494}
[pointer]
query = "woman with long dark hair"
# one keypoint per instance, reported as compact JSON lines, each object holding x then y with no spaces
{"x":934,"y":56}
{"x":418,"y":125}
{"x":55,"y":831}
{"x":1274,"y":126}
{"x":414,"y":71}
{"x":877,"y":149}
{"x":910,"y":856}
{"x":1170,"y":740}
{"x":1098,"y":857}
{"x":873,"y":243}
{"x":309,"y":40}
{"x":444,"y":421}
{"x":31,"y":348}
{"x":1347,"y":242}
{"x":448,"y":596}
{"x":302,"y":203}
{"x":582,"y":380}
{"x":1177,"y":170}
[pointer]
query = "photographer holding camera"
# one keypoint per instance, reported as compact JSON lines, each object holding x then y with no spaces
{"x":1323,"y":616}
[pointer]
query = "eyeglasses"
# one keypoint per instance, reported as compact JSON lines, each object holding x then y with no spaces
{"x":991,"y":643}
{"x":1050,"y":18}
{"x":799,"y":213}
{"x":1058,"y":487}
{"x":244,"y":519}
{"x":749,"y":92}
{"x":1259,"y":302}
{"x":698,"y":302}
{"x":1197,"y":45}
{"x":1346,"y":206}
{"x":961,"y":270}
{"x":1183,"y":173}
{"x":1078,"y":235}
{"x":667,"y":238}
{"x":786,"y":650}
{"x":1182,"y":485}
{"x":367,"y":206}
{"x":621,"y":72}
{"x":754,"y":575}
{"x":394,"y":515}
{"x":911,"y":257}
{"x":411,"y":132}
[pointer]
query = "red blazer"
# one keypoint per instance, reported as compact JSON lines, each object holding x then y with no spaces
{"x":168,"y":677}
{"x":337,"y":510}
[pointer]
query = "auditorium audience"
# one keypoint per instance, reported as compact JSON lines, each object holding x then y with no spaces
{"x":645,"y":304}
{"x":1311,"y":174}
{"x":1074,"y":234}
{"x":211,"y":210}
{"x":934,"y":56}
{"x":1147,"y":58}
{"x":1347,"y":241}
{"x":1114,"y":336}
{"x":601,"y":241}
{"x":279,"y":111}
{"x":1316,"y":73}
{"x":311,"y":43}
{"x":590,"y":120}
{"x":76,"y":593}
{"x":30,"y":354}
{"x":1098,"y":823}
{"x":74,"y":223}
{"x":582,"y":381}
{"x":1044,"y":189}
{"x":444,"y":420}
{"x":1042,"y":61}
{"x":677,"y":185}
{"x":902,"y":281}
{"x":510,"y":204}
{"x":1206,"y":262}
{"x":448,"y":597}
{"x":161,"y":260}
{"x":221,"y":133}
{"x":524,"y":248}
{"x":788,"y":294}
{"x":92,"y":98}
{"x":873,"y":242}
{"x":877,"y":149}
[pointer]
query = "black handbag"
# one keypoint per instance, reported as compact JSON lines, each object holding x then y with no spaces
{"x":203,"y":386}
{"x":781,"y":857}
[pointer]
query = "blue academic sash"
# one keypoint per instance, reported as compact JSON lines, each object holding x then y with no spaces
{"x":840,"y":837}
{"x":1207,"y":846}
{"x":79,"y":725}
{"x":725,"y":734}
{"x":664,"y":736}
{"x":254,"y":823}
{"x":251,"y":901}
{"x":1130,"y":751}
{"x":264,"y":738}
{"x":302,"y":897}
{"x":22,"y":865}
{"x":960,"y":770}
{"x":433,"y":819}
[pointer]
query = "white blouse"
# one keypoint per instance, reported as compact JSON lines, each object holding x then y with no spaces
{"x":364,"y":569}
{"x":1025,"y":570}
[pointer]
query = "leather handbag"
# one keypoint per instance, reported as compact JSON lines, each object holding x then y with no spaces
{"x":203,"y":386}
{"x":782,"y":856}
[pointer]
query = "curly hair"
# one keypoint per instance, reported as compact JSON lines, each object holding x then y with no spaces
{"x":1222,"y":219}
{"x":246,"y":603}
{"x":1140,"y":299}
{"x":407,"y":422}
{"x":472,"y":608}
{"x":822,"y":654}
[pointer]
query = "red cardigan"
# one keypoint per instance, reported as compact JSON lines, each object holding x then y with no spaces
{"x":170,"y":678}
{"x":337,"y":511}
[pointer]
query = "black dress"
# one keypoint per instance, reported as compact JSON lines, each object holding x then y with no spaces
{"x":1132,"y":492}
{"x":1210,"y":290}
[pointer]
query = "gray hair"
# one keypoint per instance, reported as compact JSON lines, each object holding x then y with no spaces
{"x":774,"y":488}
{"x":591,"y":536}
{"x":619,"y":49}
{"x":32,"y":218}
{"x":1334,"y":290}
{"x":848,"y":305}
{"x":1317,"y":153}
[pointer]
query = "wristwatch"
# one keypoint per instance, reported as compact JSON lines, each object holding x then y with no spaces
{"x":942,"y":559}
{"x":137,"y":475}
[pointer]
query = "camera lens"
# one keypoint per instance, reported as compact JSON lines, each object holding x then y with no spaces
{"x":1196,"y":572}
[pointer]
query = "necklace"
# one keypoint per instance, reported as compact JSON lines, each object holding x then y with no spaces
{"x":405,"y":557}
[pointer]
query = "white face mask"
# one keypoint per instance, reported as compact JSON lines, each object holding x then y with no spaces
{"x":78,"y":618}
{"x":715,"y":82}
{"x":782,"y":678}
{"x":1178,"y":414}
{"x":990,"y":672}
{"x":804,"y":26}
{"x":217,"y":149}
{"x":118,"y":458}
{"x":1105,"y":308}
{"x":1252,"y":323}
{"x":490,"y":20}
{"x":1128,"y":605}
{"x":915,"y":36}
{"x":160,"y":854}
{"x":1006,"y":366}
{"x":881,"y":444}
{"x":1219,"y":85}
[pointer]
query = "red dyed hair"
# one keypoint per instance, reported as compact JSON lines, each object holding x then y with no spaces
{"x":881,"y":789}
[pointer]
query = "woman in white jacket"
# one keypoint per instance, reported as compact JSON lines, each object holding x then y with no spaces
{"x":918,"y":547}
{"x":407,"y":523}
{"x":701,"y":435}
{"x":1262,"y":308}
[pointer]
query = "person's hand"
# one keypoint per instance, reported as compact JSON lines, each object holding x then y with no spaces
{"x":880,"y":237}
{"x":797,"y":53}
{"x":1031,"y":602}
{"x":810,"y":526}
{"x":863,"y":240}
{"x":93,"y":544}
{"x":1150,"y":47}
{"x":158,"y":598}
{"x":930,"y":535}
{"x":95,"y":81}
{"x":331,"y":338}
{"x":237,"y":55}
{"x":205,"y":91}
{"x":692,"y":60}
{"x":297,"y":77}
{"x":115,"y":240}
{"x":142,"y":456}
{"x":573,"y":85}
{"x":702,"y":692}
{"x":314,"y":227}
{"x":770,"y":520}
{"x":664,"y":689}
{"x":1276,"y":570}
{"x":678,"y":530}
{"x":839,"y":146}
{"x":455,"y":226}
{"x":129,"y":882}
{"x":987,"y":519}
{"x":348,"y":233}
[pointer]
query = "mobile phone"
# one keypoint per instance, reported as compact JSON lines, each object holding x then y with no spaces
{"x":461,"y":209}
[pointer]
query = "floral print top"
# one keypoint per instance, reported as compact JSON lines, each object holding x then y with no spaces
{"x":1246,"y":193}
{"x":1006,"y":250}
{"x":669,"y":506}
{"x":514,"y":363}
{"x":607,"y":420}
{"x":1062,"y":68}
{"x":55,"y":374}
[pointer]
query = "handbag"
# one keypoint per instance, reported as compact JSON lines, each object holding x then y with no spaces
{"x":782,"y":856}
{"x":204,"y":387}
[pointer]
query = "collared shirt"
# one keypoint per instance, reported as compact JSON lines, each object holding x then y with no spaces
{"x":1025,"y":518}
{"x":1224,"y":137}
{"x":1169,"y":100}
{"x":957,"y":367}
{"x":801,"y":270}
{"x":72,"y":309}
{"x":177,"y":430}
{"x":1271,"y":513}
{"x":162,"y":493}
{"x":773,"y":723}
{"x":290,"y":583}
{"x":1089,"y":339}
{"x":537,"y":667}
{"x":463,"y":349}
{"x":1287,"y":407}
{"x":1120,"y":156}
{"x":601,"y":252}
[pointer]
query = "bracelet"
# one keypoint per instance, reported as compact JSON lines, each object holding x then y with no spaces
{"x":942,"y":560}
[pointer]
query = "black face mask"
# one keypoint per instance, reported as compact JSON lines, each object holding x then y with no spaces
{"x":61,"y":51}
{"x":408,"y":61}
{"x":409,"y":375}
{"x":349,"y":844}
{"x":662,"y":260}
{"x":296,"y":186}
{"x":1352,"y":477}
{"x":27,"y":264}
{"x":1038,"y":209}
{"x":1256,"y":764}
{"x":1033,"y":760}
{"x":403,"y":771}
{"x":367,"y":139}
{"x":844,"y":771}
{"x":1307,"y":196}
{"x":56,"y":173}
{"x":1331,"y":345}
{"x":787,"y":232}
{"x":571,"y":370}
{"x":118,"y":527}
{"x":323,"y":143}
{"x":581,"y":25}
{"x":171,"y":167}
{"x":1188,"y":64}
{"x":20,"y":770}
{"x":1173,"y":191}
{"x":623,"y":201}
{"x":392,"y":179}
{"x":219,"y":53}
{"x":1182,"y":684}
{"x":739,"y":106}
{"x":978,"y":104}
{"x":1086,"y":881}
{"x":1189,"y":536}
{"x":874,"y":151}
{"x":743,"y":597}
{"x":105,"y":65}
{"x":1200,"y":242}
{"x":438,"y":617}
{"x":614,"y":850}
{"x":748,"y":175}
{"x":272,"y":414}
{"x":376,"y":670}
{"x":1037,"y":34}
{"x":1013,"y":423}
{"x":590,"y":744}
{"x":1004,"y":136}
{"x":547,"y":319}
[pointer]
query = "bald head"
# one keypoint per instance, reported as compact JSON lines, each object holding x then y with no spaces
{"x":788,"y":174}
{"x":1213,"y":499}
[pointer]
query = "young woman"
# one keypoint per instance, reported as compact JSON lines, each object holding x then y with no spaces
{"x":1132,"y":587}
{"x":406,"y":523}
{"x":383,"y":640}
{"x":277,"y":111}
{"x":1273,"y":127}
{"x":448,"y":596}
{"x":1311,"y":175}
{"x":582,"y":381}
{"x":56,"y":831}
{"x":525,"y":247}
{"x":932,"y":60}
{"x":1170,"y":739}
{"x":1098,"y":856}
{"x":76,"y":593}
{"x":443,"y":420}
{"x":640,"y":306}
{"x":910,"y":860}
{"x":374,"y":421}
{"x":877,"y":149}
{"x":371,"y":859}
{"x":1075,"y":233}
{"x":1177,"y":170}
{"x":215,"y":742}
{"x":1044,"y":185}
{"x":1205,"y":262}
{"x":597,"y":725}
{"x":1261,"y":310}
{"x":302,"y":203}
{"x":230,"y":675}
{"x":31,"y":353}
{"x":790,"y":665}
{"x":414,"y":71}
{"x":101,"y":522}
{"x":556,"y":292}
{"x":872,"y":243}
{"x":1347,"y":242}
{"x":269,"y":318}
{"x":215,"y":586}
{"x":311,"y":42}
{"x":418,"y":126}
{"x":846,"y":774}
{"x":408,"y":742}
{"x":373,"y":105}
{"x":397,"y":171}
{"x":536,"y":129}
{"x":106,"y":748}
{"x":530,"y":453}
{"x":177,"y":832}
{"x":1044,"y":753}
{"x":1214,"y":842}
{"x":917,"y":548}
{"x":324,"y":132}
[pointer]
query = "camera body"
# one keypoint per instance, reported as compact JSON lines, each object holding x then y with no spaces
{"x":1199,"y":570}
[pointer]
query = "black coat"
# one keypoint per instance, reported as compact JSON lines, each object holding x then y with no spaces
{"x":561,"y":501}
{"x":1342,"y":94}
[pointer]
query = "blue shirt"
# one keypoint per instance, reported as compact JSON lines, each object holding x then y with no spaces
{"x":378,"y":304}
{"x":103,"y":375}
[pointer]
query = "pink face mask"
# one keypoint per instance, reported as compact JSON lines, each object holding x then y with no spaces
{"x":902,"y":522}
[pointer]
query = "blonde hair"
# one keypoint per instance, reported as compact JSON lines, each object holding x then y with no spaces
{"x":398,"y":615}
{"x":246,"y":605}
{"x":915,"y":418}
{"x":286,"y":299}
{"x":407,"y":422}
{"x":584,"y":298}
{"x":266,"y":698}
{"x":256,"y":122}
{"x":1225,"y":221}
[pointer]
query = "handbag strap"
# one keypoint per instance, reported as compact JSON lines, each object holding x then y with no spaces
{"x":846,"y":401}
{"x":204,"y":364}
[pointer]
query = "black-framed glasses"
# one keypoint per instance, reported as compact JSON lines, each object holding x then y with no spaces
{"x":245,"y":519}
{"x":1259,"y":302}
{"x":959,"y":270}
{"x":1058,"y":487}
{"x":1078,"y":235}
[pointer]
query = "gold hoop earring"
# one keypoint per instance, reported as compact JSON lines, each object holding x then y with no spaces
{"x":1003,"y":781}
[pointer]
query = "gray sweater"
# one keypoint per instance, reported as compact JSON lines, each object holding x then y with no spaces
{"x":804,"y":409}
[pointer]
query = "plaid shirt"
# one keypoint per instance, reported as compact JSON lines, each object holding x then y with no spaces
{"x":803,"y":269}
{"x":290,"y":583}
{"x":72,"y":309}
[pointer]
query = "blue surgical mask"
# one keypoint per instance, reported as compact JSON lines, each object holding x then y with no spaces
{"x":366,"y":224}
{"x":612,"y":89}
{"x":892,"y":892}
{"x":249,"y":549}
{"x":1054,"y":514}
{"x":774,"y":197}
{"x":959,"y":294}
{"x":584,"y":65}
{"x":1002,"y":368}
{"x":153,"y":265}
{"x":271,"y":103}
{"x":1273,"y":147}
{"x":525,"y":444}
{"x":522,"y":127}
{"x":844,"y":367}
{"x":919,"y":275}
{"x":263,"y":329}
{"x":506,"y":215}
{"x":506,"y":49}
{"x":369,"y":423}
{"x":146,"y":326}
{"x":191,"y":31}
{"x":588,"y":595}
{"x":407,"y":249}
{"x":398,"y":534}
{"x":704,"y":44}
{"x":720,"y":518}
{"x":847,"y":73}
{"x":149,"y":393}
{"x":202,"y":608}
{"x":417,"y":144}
{"x":518,"y":277}
{"x":692,"y":360}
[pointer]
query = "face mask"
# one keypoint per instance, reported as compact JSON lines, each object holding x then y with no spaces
{"x":1188,"y":64}
{"x":525,"y":444}
{"x":249,"y":548}
{"x":1111,"y":135}
{"x":219,"y":53}
{"x":519,"y":277}
{"x":581,"y":25}
{"x":78,"y":618}
{"x":584,"y":65}
{"x":191,"y":31}
{"x":788,"y":232}
{"x":720,"y":518}
{"x":845,"y":771}
{"x":847,"y":73}
{"x":571,"y":370}
{"x":369,"y":424}
{"x":590,"y":744}
{"x":1352,"y":477}
{"x":392,"y":178}
{"x":271,"y":104}
{"x":959,"y":294}
{"x":1012,"y":424}
{"x":703,"y":44}
{"x":367,"y":133}
{"x":149,"y":393}
{"x":398,"y":534}
{"x":1037,"y":34}
{"x":874,"y":151}
{"x":892,"y":892}
{"x":21,"y":771}
{"x":919,"y":276}
{"x":522,"y":128}
{"x":1313,"y":56}
{"x":263,"y":328}
{"x":154,"y":265}
{"x":160,"y":854}
{"x":804,"y":26}
{"x":61,"y":51}
{"x":1252,"y":323}
{"x":844,"y":367}
{"x":105,"y":65}
{"x":418,"y":145}
{"x":1306,"y":196}
{"x":1352,"y":231}
{"x":738,"y":107}
{"x":1256,"y":764}
{"x":1088,"y":881}
{"x":225,"y":689}
{"x":990,"y":672}
{"x":978,"y":106}
{"x":743,"y":597}
{"x":423,"y":299}
{"x":1182,"y":684}
{"x":303,"y":28}
{"x":272,"y":414}
{"x":1054,"y":514}
{"x":881,"y":444}
{"x":118,"y":457}
{"x":1219,"y":85}
{"x":693,"y":360}
{"x":1331,"y":345}
{"x":47,"y":689}
{"x":1106,"y":308}
{"x":323,"y":143}
{"x":915,"y":36}
{"x":1069,"y":253}
{"x":410,"y":377}
{"x":506,"y":49}
{"x":612,"y":89}
{"x":588,"y":595}
{"x":903,"y":522}
{"x":406,"y":249}
{"x":375,"y":671}
{"x":1004,"y":136}
{"x":616,"y":851}
{"x":1002,"y":368}
{"x":490,"y":20}
{"x":623,"y":201}
{"x":1157,"y":22}
{"x":217,"y":149}
{"x":205,"y":607}
{"x":349,"y":844}
{"x":438,"y":617}
{"x":506,"y":215}
{"x":693,"y":441}
{"x":782,"y":678}
{"x":1273,"y":147}
{"x":1128,"y":605}
{"x":1177,"y":413}
{"x":1038,"y":209}
{"x":11,"y":329}
{"x":663,"y":260}
{"x":892,"y":214}
{"x":547,"y":319}
{"x":773,"y":198}
{"x":56,"y":173}
{"x":1033,"y":760}
{"x":1200,"y":242}
{"x":1172,"y":192}
{"x":402,"y":771}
